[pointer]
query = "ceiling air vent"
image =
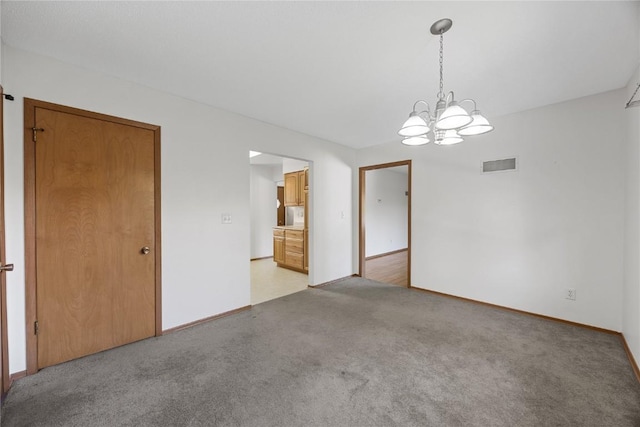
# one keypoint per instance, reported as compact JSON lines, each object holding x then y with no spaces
{"x":499,"y":165}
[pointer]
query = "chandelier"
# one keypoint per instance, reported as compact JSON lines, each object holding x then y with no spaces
{"x":449,"y":122}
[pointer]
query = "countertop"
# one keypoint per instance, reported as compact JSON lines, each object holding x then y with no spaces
{"x":290,"y":227}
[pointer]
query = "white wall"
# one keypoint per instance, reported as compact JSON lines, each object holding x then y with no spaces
{"x":205,"y":173}
{"x":1,"y":43}
{"x":293,"y":165}
{"x":263,"y":209}
{"x":631,"y":292}
{"x":520,"y":239}
{"x":386,"y":206}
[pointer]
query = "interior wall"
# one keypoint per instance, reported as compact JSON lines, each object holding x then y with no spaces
{"x":386,"y":206}
{"x":264,"y":216}
{"x":631,"y":292}
{"x":1,"y":43}
{"x":524,"y":237}
{"x":293,"y":165}
{"x":205,"y":173}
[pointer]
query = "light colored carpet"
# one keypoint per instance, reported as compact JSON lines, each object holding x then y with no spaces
{"x":354,"y":353}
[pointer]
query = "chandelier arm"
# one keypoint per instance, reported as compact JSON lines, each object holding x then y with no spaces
{"x":450,"y":94}
{"x":423,"y":102}
{"x":475,"y":107}
{"x":427,"y":112}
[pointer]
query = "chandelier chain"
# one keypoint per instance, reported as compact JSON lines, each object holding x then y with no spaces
{"x":441,"y":93}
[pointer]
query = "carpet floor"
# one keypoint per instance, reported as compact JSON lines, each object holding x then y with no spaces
{"x":354,"y":353}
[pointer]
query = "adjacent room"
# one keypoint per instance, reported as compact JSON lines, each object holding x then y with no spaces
{"x":280,"y":194}
{"x":320,"y":213}
{"x":385,"y":223}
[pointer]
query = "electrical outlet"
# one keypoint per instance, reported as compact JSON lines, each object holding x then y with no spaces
{"x":226,"y":218}
{"x":571,"y":294}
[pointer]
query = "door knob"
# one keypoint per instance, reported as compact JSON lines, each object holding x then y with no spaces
{"x":145,"y":250}
{"x":6,"y":267}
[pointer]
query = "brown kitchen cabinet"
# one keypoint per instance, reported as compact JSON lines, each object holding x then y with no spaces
{"x":278,"y":245}
{"x":288,"y":248}
{"x":295,"y":184}
{"x":291,"y":189}
{"x":306,"y":250}
{"x":301,"y":186}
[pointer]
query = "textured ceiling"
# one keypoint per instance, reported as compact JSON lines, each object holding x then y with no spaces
{"x":348,"y":72}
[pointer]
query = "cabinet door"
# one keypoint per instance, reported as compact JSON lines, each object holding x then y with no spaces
{"x":295,"y":245}
{"x":278,"y":249}
{"x":291,"y":189}
{"x":301,"y":185}
{"x":294,"y":259}
{"x":306,"y":249}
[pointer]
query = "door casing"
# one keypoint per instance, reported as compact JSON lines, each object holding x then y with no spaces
{"x":5,"y":380}
{"x":361,"y":214}
{"x":30,"y":106}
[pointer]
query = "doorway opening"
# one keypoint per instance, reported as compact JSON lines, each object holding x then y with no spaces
{"x":385,"y":223}
{"x":280,"y":199}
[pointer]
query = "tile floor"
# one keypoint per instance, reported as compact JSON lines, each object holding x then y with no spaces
{"x":268,"y":281}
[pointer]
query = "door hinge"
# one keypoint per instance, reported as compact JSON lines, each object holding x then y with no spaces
{"x":35,"y":131}
{"x":35,"y":327}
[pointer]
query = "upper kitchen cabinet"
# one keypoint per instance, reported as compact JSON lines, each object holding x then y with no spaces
{"x":301,"y":186}
{"x":295,"y":184}
{"x":291,"y":189}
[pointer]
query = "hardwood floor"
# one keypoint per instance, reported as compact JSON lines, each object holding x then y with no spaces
{"x":388,"y":268}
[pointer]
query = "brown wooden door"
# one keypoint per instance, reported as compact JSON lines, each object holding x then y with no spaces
{"x":280,"y":209}
{"x":94,"y":214}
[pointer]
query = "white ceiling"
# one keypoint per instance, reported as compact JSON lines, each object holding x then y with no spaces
{"x":348,"y":72}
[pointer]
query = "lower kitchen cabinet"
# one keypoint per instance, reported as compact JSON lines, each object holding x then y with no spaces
{"x":289,"y":248}
{"x":278,"y":246}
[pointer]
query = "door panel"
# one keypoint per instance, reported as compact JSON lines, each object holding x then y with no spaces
{"x":291,"y":189}
{"x":95,"y":204}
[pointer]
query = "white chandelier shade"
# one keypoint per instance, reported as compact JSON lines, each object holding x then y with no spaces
{"x":450,"y":122}
{"x":478,"y":125}
{"x":454,"y":117}
{"x":416,"y":140}
{"x":414,"y":126}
